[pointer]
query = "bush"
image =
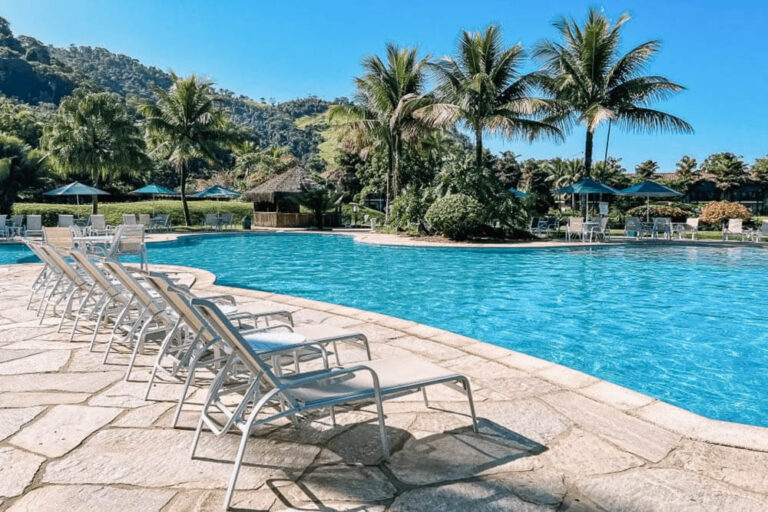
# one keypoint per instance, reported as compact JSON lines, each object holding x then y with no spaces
{"x":456,"y":216}
{"x":660,"y":210}
{"x":408,"y":210}
{"x":718,"y":212}
{"x":113,"y":212}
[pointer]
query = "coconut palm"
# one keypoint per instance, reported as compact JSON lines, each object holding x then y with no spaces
{"x":561,"y":173}
{"x":483,"y":88}
{"x":93,"y":135}
{"x":381,"y":117}
{"x":593,"y":83}
{"x":646,"y":170}
{"x":186,"y":124}
{"x":20,"y":170}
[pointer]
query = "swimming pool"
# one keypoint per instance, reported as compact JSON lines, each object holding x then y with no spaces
{"x":684,"y":324}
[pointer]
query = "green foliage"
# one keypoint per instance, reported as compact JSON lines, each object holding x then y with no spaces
{"x":728,"y":169}
{"x":20,"y":169}
{"x":647,"y":170}
{"x":409,"y":209}
{"x":24,"y":121}
{"x":113,"y":212}
{"x":718,"y":212}
{"x":318,"y":198}
{"x":760,"y":169}
{"x":660,"y":210}
{"x":456,"y":216}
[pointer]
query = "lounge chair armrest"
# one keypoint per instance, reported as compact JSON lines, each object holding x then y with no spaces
{"x":220,"y":297}
{"x":334,"y":373}
{"x":269,"y":328}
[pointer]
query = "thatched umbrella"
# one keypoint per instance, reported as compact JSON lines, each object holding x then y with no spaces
{"x":281,"y":187}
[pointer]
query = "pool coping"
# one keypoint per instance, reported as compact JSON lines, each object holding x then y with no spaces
{"x":633,"y":403}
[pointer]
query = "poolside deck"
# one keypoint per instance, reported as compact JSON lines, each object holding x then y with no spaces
{"x":74,"y":436}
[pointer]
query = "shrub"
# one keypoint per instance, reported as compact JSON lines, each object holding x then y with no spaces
{"x":660,"y":210}
{"x":408,"y":210}
{"x":113,"y":212}
{"x":717,"y":212}
{"x":456,"y":216}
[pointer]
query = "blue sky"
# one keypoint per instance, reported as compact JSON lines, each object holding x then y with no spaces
{"x":287,"y":49}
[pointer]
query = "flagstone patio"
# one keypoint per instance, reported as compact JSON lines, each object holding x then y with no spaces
{"x":74,"y":436}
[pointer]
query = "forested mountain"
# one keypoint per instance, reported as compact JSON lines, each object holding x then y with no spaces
{"x":35,"y":73}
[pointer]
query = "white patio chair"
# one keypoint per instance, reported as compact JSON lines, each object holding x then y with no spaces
{"x":601,"y":231}
{"x":211,"y":221}
{"x":662,"y":226}
{"x":227,"y":220}
{"x":4,"y":231}
{"x":65,"y":221}
{"x":97,"y":226}
{"x":34,"y":226}
{"x":270,"y":396}
{"x":144,"y":220}
{"x":691,"y":226}
{"x":632,"y":227}
{"x":575,"y":228}
{"x":17,"y":225}
{"x":129,"y":219}
{"x":162,"y":221}
{"x":735,"y":227}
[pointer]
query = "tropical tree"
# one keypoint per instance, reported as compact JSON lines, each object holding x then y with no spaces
{"x":185,"y":124}
{"x":93,"y":135}
{"x":593,"y":83}
{"x":610,"y":172}
{"x":646,"y":170}
{"x":686,"y":167}
{"x":20,"y":169}
{"x":482,"y":87}
{"x":381,"y":118}
{"x":319,"y":197}
{"x":728,"y":169}
{"x":561,"y":173}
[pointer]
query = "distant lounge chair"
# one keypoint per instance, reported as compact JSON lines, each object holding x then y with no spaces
{"x":66,"y":221}
{"x":98,"y":226}
{"x":691,"y":226}
{"x":34,"y":226}
{"x":227,"y":220}
{"x":762,"y":232}
{"x":601,"y":231}
{"x":4,"y":231}
{"x":663,"y":226}
{"x":633,"y":227}
{"x":370,"y":381}
{"x":17,"y":225}
{"x":211,"y":221}
{"x":161,"y":222}
{"x":575,"y":228}
{"x":127,"y":240}
{"x":144,"y":220}
{"x":129,"y":219}
{"x":735,"y":227}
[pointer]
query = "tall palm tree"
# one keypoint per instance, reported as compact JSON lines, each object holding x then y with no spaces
{"x":482,"y":87}
{"x":381,"y":117}
{"x":593,"y":83}
{"x":186,"y":124}
{"x":561,"y":173}
{"x":92,"y":134}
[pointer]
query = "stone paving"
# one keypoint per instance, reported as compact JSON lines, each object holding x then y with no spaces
{"x":74,"y":436}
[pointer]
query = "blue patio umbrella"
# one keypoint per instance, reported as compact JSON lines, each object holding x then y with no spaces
{"x":649,"y":189}
{"x":76,"y":189}
{"x":516,"y":193}
{"x":154,"y":189}
{"x":585,"y":187}
{"x":216,"y":192}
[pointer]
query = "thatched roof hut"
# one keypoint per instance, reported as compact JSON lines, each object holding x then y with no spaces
{"x":276,"y":193}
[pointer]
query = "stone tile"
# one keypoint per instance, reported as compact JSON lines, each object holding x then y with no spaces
{"x":143,"y":417}
{"x":704,"y":429}
{"x":566,"y":377}
{"x":11,"y":420}
{"x":522,"y":386}
{"x":211,"y":501}
{"x":47,"y":344}
{"x":309,"y":316}
{"x":75,"y":382}
{"x":10,"y":355}
{"x":524,"y":362}
{"x":63,"y":428}
{"x":16,"y":334}
{"x":40,"y":398}
{"x":484,"y":495}
{"x":87,"y":498}
{"x":131,"y":394}
{"x":616,"y":396}
{"x":429,"y":349}
{"x":488,"y":351}
{"x":49,"y":361}
{"x":736,"y":466}
{"x":453,"y":340}
{"x":582,"y":453}
{"x":341,"y":483}
{"x":633,"y":435}
{"x":17,"y":469}
{"x":342,"y":321}
{"x":160,"y":458}
{"x":479,"y":367}
{"x":529,"y":418}
{"x":377,"y":333}
{"x":666,"y":489}
{"x":424,"y":331}
{"x":361,"y":444}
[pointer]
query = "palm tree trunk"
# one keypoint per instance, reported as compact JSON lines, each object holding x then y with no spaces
{"x":184,"y":206}
{"x":588,"y":152}
{"x":95,"y":199}
{"x":390,"y":165}
{"x":478,"y":146}
{"x":396,"y":169}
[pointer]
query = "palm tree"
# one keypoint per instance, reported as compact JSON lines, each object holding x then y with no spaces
{"x":386,"y":97}
{"x":593,"y":83}
{"x":646,"y":170}
{"x":561,"y":173}
{"x":20,"y":170}
{"x":92,"y":134}
{"x":483,"y":88}
{"x":185,"y":124}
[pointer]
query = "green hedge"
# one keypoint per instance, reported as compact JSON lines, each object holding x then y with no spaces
{"x":113,"y":212}
{"x":456,"y":216}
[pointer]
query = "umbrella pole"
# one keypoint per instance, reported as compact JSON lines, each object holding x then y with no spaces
{"x":647,"y":208}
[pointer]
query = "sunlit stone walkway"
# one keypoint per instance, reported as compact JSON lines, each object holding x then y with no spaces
{"x":74,"y":436}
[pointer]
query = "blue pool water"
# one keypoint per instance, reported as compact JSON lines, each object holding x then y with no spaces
{"x":687,"y":325}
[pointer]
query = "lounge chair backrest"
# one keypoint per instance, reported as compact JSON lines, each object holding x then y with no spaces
{"x":92,"y":270}
{"x":66,"y":221}
{"x":227,"y":218}
{"x":211,"y":219}
{"x":163,"y":218}
{"x":58,"y":260}
{"x":126,"y":279}
{"x":61,"y":238}
{"x":34,"y":223}
{"x":764,"y":228}
{"x":230,"y":335}
{"x":662,"y":223}
{"x":575,"y":223}
{"x":129,"y":239}
{"x":632,"y":224}
{"x":129,"y":219}
{"x":97,"y":222}
{"x":2,"y":219}
{"x":144,"y":219}
{"x":17,"y":220}
{"x":734,"y":225}
{"x":692,"y":222}
{"x":181,"y":304}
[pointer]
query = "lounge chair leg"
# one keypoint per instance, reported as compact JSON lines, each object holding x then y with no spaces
{"x":468,"y":390}
{"x":333,"y":416}
{"x":238,"y":460}
{"x":196,"y":440}
{"x":426,"y":400}
{"x":184,"y":390}
{"x":382,"y":428}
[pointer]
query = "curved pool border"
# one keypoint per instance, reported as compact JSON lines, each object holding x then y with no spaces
{"x":630,"y":402}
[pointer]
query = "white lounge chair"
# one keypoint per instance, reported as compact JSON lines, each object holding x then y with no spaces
{"x":211,"y":221}
{"x":575,"y":228}
{"x":632,"y":227}
{"x":97,"y":226}
{"x":691,"y":226}
{"x":129,"y":219}
{"x":17,"y":225}
{"x":144,"y":220}
{"x":269,"y":396}
{"x":34,"y":226}
{"x":735,"y":227}
{"x":662,"y":226}
{"x":161,"y":222}
{"x":66,"y":221}
{"x":4,"y":231}
{"x":762,"y":232}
